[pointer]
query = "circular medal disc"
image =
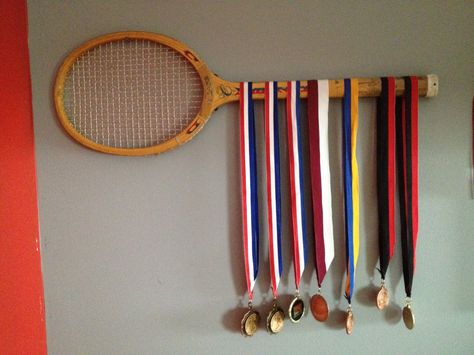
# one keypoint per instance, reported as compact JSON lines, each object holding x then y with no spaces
{"x":296,"y":310}
{"x":383,"y":298}
{"x":319,"y":308}
{"x":349,"y":323}
{"x":275,"y":320}
{"x":249,"y":323}
{"x":408,"y":317}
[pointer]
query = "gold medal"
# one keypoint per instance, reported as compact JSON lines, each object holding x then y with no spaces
{"x":408,"y":317}
{"x":383,"y":298}
{"x":319,"y":307}
{"x":296,"y":310}
{"x":275,"y":319}
{"x":349,"y":321}
{"x":249,"y":323}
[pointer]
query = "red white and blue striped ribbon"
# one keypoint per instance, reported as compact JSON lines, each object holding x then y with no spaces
{"x":272,"y":149}
{"x":249,"y":185}
{"x":318,"y":120}
{"x":295,"y":161}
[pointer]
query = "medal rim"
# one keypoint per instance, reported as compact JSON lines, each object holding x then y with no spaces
{"x":292,"y":304}
{"x":319,"y":296}
{"x":383,"y":298}
{"x":270,"y":316}
{"x":408,"y":317}
{"x":244,"y":320}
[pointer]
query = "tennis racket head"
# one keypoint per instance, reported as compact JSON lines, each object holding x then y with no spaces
{"x":133,"y":93}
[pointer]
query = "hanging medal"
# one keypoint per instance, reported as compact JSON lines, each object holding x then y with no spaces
{"x":318,"y":105}
{"x":276,"y":317}
{"x":386,"y":181}
{"x":351,"y":189}
{"x":295,"y":161}
{"x":407,"y":164}
{"x":248,"y":161}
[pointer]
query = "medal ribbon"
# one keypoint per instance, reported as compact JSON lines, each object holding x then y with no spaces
{"x":248,"y":161}
{"x":407,"y":160}
{"x":295,"y":161}
{"x":272,"y":149}
{"x":318,"y":105}
{"x":386,"y":172}
{"x":351,"y":180}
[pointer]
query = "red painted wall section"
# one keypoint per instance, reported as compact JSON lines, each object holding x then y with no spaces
{"x":22,"y":321}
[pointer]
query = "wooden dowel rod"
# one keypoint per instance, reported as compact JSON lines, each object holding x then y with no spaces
{"x":368,"y":87}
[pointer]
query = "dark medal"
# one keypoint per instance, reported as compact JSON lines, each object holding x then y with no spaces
{"x":296,"y":310}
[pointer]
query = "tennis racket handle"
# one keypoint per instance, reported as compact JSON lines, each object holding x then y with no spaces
{"x":227,"y":91}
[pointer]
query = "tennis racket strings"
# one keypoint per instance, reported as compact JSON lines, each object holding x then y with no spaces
{"x":131,"y":93}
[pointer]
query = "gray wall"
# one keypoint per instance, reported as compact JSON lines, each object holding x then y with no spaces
{"x":143,"y":255}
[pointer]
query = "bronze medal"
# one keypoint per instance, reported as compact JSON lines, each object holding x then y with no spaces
{"x":383,"y":298}
{"x":319,"y":308}
{"x":296,"y":310}
{"x":249,"y":323}
{"x":408,"y":317}
{"x":275,"y":320}
{"x":349,"y":322}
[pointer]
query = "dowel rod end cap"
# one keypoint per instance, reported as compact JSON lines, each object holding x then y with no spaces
{"x":433,"y":85}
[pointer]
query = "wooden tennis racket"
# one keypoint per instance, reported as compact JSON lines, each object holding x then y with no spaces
{"x":139,"y":93}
